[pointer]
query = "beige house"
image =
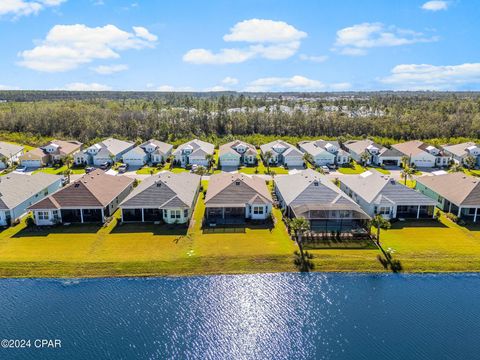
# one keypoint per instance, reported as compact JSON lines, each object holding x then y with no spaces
{"x":54,"y":151}
{"x":234,"y":198}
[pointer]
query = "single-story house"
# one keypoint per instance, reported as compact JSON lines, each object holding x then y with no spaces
{"x":165,"y":197}
{"x":455,"y":193}
{"x":106,"y":151}
{"x":282,"y":153}
{"x":459,"y":152}
{"x":315,"y":197}
{"x":379,"y":194}
{"x":325,"y":152}
{"x":53,"y":152}
{"x":233,"y":198}
{"x":150,"y":152}
{"x":377,"y":155}
{"x":236,"y":153}
{"x":9,"y":153}
{"x":92,"y":198}
{"x":19,"y":191}
{"x":194,"y":152}
{"x":421,"y":154}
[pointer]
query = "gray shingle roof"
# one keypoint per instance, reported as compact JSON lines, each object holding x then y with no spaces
{"x":164,"y":189}
{"x":95,"y":189}
{"x":377,"y":188}
{"x":7,"y":149}
{"x":162,"y":147}
{"x":459,"y":149}
{"x":16,"y":188}
{"x":289,"y":148}
{"x":236,"y":190}
{"x":198,"y":147}
{"x":230,"y":148}
{"x":318,"y":146}
{"x":458,"y":188}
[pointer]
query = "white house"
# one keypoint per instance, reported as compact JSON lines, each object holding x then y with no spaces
{"x":102,"y":152}
{"x":19,"y":191}
{"x":313,"y":196}
{"x":9,"y":153}
{"x":53,"y":152}
{"x":92,"y":198}
{"x":379,"y":194}
{"x":459,"y":152}
{"x":236,"y":153}
{"x":422,"y":155}
{"x":234,"y":198}
{"x":193,"y":152}
{"x":375,"y":153}
{"x":150,"y":152}
{"x":325,"y":152}
{"x":165,"y":197}
{"x":282,"y":153}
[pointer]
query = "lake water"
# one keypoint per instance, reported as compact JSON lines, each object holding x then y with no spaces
{"x":272,"y":316}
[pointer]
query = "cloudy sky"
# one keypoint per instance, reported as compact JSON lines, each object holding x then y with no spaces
{"x":244,"y":45}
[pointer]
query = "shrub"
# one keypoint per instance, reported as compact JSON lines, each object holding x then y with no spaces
{"x":29,"y":221}
{"x":452,"y":217}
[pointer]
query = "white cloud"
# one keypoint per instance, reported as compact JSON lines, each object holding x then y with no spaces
{"x":230,"y":81}
{"x":19,"y":8}
{"x":313,"y":58}
{"x":225,"y":56}
{"x":170,"y":88}
{"x":340,"y":86}
{"x":435,"y":5}
{"x":268,"y":39}
{"x":79,"y":86}
{"x":66,"y":47}
{"x":8,"y":87}
{"x":216,"y":88}
{"x":432,"y":77}
{"x":109,"y":69}
{"x":293,"y":83}
{"x":355,"y":40}
{"x":264,"y":31}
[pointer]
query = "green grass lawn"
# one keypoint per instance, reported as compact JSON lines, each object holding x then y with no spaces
{"x":356,"y":168}
{"x":148,"y":249}
{"x":146,"y":170}
{"x":60,"y":170}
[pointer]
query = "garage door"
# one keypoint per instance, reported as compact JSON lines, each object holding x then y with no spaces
{"x":134,"y":162}
{"x":229,"y":162}
{"x":424,"y":163}
{"x":31,"y":163}
{"x":294,"y":162}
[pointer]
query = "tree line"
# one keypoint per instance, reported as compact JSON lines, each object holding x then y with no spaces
{"x":448,"y":118}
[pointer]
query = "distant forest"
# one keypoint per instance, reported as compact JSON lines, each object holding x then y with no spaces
{"x":32,"y":116}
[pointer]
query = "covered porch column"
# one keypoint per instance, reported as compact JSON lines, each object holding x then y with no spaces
{"x":103,"y":216}
{"x":459,"y":211}
{"x":81,"y":216}
{"x":475,"y":215}
{"x":143,"y":215}
{"x":418,"y":212}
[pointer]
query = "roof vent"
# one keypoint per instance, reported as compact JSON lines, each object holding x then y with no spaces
{"x":159,"y":184}
{"x":237,"y":182}
{"x":315,"y":183}
{"x":77,"y":185}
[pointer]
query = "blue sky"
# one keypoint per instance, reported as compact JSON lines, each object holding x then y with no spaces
{"x":261,"y":45}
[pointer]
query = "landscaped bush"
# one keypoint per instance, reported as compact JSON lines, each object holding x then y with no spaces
{"x":29,"y":221}
{"x":452,"y":217}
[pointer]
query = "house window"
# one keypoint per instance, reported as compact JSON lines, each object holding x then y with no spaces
{"x":384,"y":210}
{"x":175,"y":214}
{"x":185,"y":213}
{"x":43,"y":215}
{"x":258,"y":210}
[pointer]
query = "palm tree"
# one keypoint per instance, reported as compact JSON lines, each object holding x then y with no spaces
{"x":308,"y":158}
{"x":455,"y":167}
{"x":67,"y":173}
{"x":470,"y":162}
{"x":407,"y":173}
{"x":405,"y":160}
{"x":200,"y":171}
{"x":379,"y":222}
{"x":268,"y":157}
{"x":364,"y":158}
{"x":299,"y":226}
{"x":68,"y":161}
{"x":209,"y":158}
